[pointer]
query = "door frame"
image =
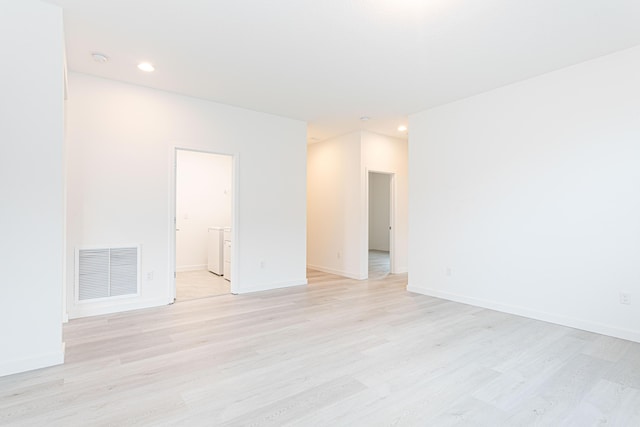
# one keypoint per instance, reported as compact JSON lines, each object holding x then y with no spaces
{"x":392,"y":221}
{"x":171,"y":291}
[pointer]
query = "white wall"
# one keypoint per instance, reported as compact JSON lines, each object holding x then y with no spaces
{"x":31,"y":186}
{"x":529,"y":194}
{"x":333,"y":210}
{"x":203,"y":199}
{"x":121,"y":141}
{"x":379,"y":210}
{"x":381,"y":153}
{"x":337,"y":222}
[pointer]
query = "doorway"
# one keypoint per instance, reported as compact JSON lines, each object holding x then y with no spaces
{"x":203,"y":224}
{"x":380,"y":219}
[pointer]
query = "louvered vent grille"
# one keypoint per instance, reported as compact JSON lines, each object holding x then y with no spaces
{"x":107,"y":272}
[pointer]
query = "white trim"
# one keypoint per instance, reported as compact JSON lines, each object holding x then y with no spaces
{"x":347,"y":274}
{"x":275,"y":285}
{"x":392,"y":221}
{"x":235,"y":215}
{"x":171,"y":264}
{"x":558,"y":319}
{"x":393,"y":268}
{"x":42,"y":361}
{"x":191,"y":267}
{"x":235,"y":283}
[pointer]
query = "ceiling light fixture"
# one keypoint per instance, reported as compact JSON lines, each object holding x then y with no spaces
{"x":99,"y":57}
{"x":145,"y":66}
{"x":402,"y":128}
{"x":365,"y":118}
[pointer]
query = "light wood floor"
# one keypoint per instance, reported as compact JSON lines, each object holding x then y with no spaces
{"x":335,"y":353}
{"x":202,"y":283}
{"x":379,"y":264}
{"x":199,"y":284}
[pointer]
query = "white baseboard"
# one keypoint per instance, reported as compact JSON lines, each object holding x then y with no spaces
{"x":400,"y":270}
{"x":23,"y":365}
{"x":191,"y":267}
{"x":347,"y":274}
{"x":88,"y":309}
{"x":270,"y":286}
{"x":585,"y":325}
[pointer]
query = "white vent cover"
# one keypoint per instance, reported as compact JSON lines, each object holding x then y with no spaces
{"x":106,"y":272}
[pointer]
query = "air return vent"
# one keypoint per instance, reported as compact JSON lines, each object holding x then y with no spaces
{"x":106,"y":272}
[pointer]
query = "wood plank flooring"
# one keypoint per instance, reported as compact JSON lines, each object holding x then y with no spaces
{"x":379,"y":264}
{"x":338,"y":352}
{"x":199,"y":284}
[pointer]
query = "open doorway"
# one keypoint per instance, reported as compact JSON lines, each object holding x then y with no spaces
{"x":380,"y":220}
{"x":203,"y":220}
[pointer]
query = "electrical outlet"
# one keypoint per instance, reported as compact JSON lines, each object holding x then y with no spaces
{"x":625,"y":298}
{"x":261,"y":263}
{"x":339,"y":255}
{"x":448,"y":271}
{"x":150,"y":275}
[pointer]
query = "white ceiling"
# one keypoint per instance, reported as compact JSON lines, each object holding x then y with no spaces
{"x":328,"y":62}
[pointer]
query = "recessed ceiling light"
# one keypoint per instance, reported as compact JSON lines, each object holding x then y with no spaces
{"x":402,"y":128}
{"x":365,"y":118}
{"x":145,"y":66}
{"x":99,"y":57}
